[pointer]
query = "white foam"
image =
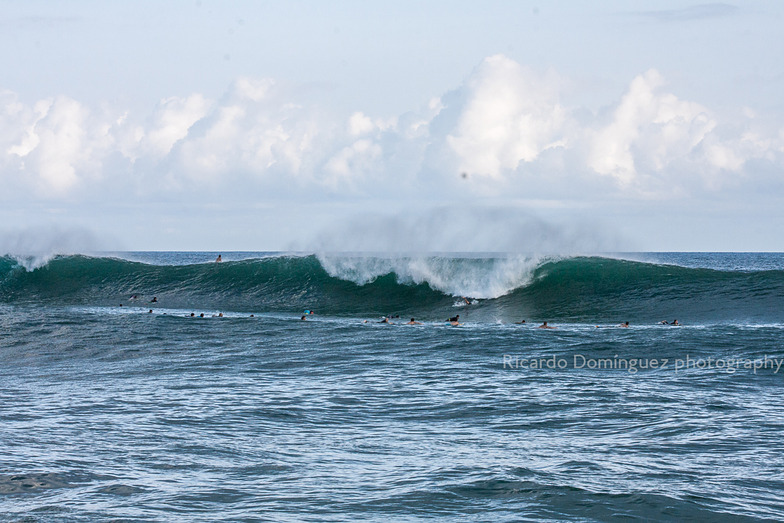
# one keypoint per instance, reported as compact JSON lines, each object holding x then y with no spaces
{"x":472,"y":277}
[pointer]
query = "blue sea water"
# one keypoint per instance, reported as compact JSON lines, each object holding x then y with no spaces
{"x":113,"y":412}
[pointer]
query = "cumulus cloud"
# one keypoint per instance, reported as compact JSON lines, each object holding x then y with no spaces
{"x":649,"y":130}
{"x":254,"y":130}
{"x":504,"y":122}
{"x":510,"y":115}
{"x":171,"y":122}
{"x":55,"y":143}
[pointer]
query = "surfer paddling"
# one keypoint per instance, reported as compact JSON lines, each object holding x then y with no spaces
{"x":622,"y":325}
{"x":545,"y":326}
{"x":454,"y":321}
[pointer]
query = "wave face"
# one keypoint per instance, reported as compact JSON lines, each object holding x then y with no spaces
{"x":502,"y":288}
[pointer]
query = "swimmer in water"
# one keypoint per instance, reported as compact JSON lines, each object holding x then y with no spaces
{"x":414,"y":322}
{"x":545,"y":326}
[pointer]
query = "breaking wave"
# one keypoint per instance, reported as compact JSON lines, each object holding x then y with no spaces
{"x":583,"y":288}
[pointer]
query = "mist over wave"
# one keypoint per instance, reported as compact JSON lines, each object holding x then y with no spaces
{"x":466,"y":229}
{"x":34,"y":247}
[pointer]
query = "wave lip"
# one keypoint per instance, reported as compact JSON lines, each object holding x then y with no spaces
{"x":475,"y":277}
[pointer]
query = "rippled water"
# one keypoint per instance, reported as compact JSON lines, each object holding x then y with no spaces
{"x":109,"y":413}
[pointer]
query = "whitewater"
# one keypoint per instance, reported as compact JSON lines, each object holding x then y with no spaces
{"x":163,"y":386}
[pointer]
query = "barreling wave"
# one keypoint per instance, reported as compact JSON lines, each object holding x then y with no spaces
{"x":579,"y":289}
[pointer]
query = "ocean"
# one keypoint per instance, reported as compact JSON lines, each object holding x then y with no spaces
{"x":119,"y":401}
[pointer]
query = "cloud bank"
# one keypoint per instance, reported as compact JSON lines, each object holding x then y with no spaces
{"x":506,"y":132}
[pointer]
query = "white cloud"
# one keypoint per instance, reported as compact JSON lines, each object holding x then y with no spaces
{"x":360,"y":124}
{"x":254,"y":131}
{"x":650,"y":129}
{"x":505,"y":124}
{"x":510,"y":116}
{"x":57,"y":143}
{"x":251,"y":89}
{"x":172,"y":120}
{"x":357,"y":158}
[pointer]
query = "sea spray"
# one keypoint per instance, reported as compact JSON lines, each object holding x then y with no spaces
{"x":470,"y":228}
{"x":34,"y":247}
{"x":475,"y":276}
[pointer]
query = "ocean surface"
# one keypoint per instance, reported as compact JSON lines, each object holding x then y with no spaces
{"x":119,"y":401}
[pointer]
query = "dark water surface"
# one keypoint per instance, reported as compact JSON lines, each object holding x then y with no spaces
{"x":111,"y":412}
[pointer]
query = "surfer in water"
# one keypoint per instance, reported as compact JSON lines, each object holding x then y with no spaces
{"x":154,"y":299}
{"x":414,"y":322}
{"x":218,"y":259}
{"x":545,"y":326}
{"x":522,"y":322}
{"x":454,"y":319}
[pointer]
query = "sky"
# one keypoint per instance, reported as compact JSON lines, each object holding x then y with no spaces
{"x":392,"y":126}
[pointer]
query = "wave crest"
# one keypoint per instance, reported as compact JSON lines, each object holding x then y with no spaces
{"x":509,"y":287}
{"x":475,"y":277}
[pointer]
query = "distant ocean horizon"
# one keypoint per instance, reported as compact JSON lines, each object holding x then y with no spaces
{"x":168,"y":386}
